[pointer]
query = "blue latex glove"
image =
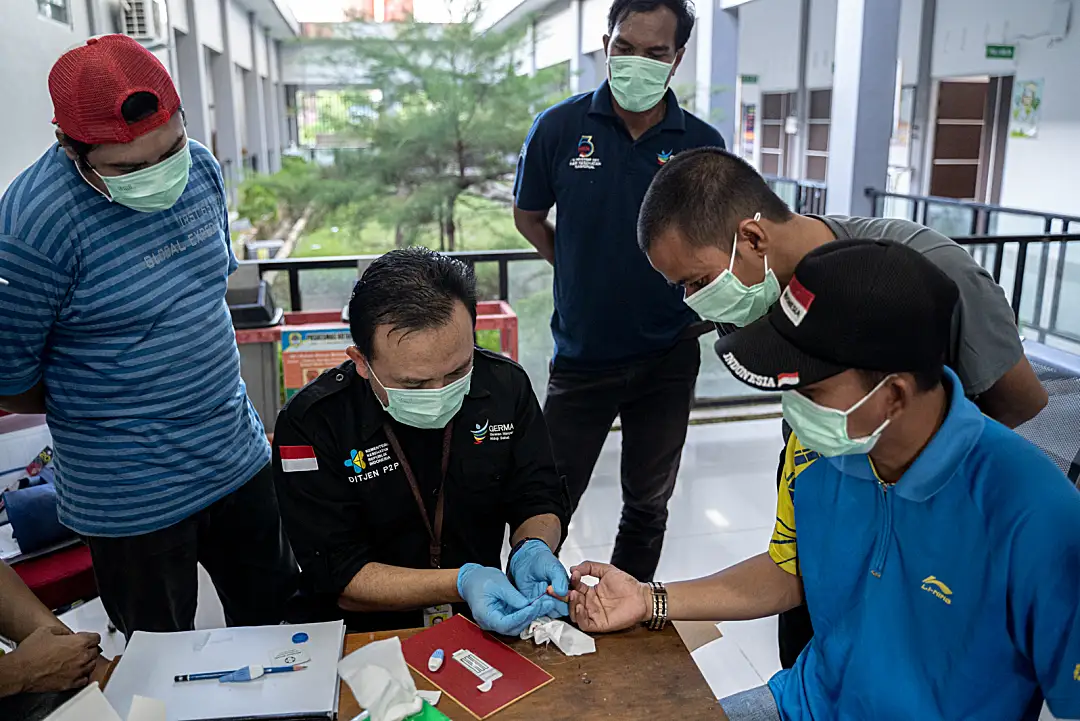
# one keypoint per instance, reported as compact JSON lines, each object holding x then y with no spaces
{"x":495,"y":604}
{"x":534,"y":567}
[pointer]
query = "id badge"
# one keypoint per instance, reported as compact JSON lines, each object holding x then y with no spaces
{"x":435,"y":615}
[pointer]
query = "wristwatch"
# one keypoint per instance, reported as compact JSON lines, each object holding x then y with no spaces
{"x":515,"y":549}
{"x":659,"y":618}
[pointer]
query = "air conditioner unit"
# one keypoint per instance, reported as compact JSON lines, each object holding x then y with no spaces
{"x":147,"y":21}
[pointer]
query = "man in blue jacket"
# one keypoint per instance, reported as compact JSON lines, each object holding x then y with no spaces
{"x":938,"y":552}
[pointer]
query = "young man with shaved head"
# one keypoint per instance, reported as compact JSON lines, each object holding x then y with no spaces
{"x":711,"y":225}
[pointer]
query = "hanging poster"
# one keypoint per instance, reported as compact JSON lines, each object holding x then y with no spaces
{"x":1026,"y":100}
{"x":749,"y":120}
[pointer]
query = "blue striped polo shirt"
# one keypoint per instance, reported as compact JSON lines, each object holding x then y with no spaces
{"x":123,"y":316}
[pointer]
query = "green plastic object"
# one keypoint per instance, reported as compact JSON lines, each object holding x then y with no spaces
{"x":429,"y":713}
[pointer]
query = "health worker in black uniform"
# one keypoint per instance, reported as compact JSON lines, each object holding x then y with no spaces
{"x":398,"y":471}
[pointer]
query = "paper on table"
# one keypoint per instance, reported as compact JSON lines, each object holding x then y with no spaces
{"x":566,"y":638}
{"x":380,"y":680}
{"x":146,"y":709}
{"x":151,"y":660}
{"x":87,"y":705}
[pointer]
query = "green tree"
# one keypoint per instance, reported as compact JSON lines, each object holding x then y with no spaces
{"x":451,"y":112}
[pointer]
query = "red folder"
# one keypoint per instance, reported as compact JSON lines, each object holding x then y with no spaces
{"x":520,"y":676}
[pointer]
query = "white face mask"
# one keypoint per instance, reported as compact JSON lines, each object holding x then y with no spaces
{"x":425,"y":407}
{"x":824,"y":429}
{"x":728,"y":300}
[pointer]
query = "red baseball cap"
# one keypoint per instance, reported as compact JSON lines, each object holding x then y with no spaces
{"x":90,"y":84}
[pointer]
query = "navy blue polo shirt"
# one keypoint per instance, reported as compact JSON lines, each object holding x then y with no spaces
{"x":611,"y":306}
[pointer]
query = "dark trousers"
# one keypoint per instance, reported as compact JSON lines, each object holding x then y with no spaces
{"x":652,"y":399}
{"x":150,"y":582}
{"x":794,"y":630}
{"x":32,"y":706}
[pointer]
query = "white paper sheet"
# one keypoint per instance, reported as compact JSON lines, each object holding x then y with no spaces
{"x":9,"y":547}
{"x":151,"y":660}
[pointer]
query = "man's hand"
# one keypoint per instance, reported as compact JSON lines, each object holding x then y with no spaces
{"x":495,"y":603}
{"x":619,"y":601}
{"x":54,"y":659}
{"x":534,"y":568}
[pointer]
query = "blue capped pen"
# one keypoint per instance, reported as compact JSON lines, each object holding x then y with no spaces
{"x":247,"y":673}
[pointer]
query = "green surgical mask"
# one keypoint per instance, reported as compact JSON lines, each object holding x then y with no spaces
{"x":637,"y":83}
{"x":728,"y":300}
{"x":425,"y":407}
{"x":152,"y":189}
{"x":825,"y":430}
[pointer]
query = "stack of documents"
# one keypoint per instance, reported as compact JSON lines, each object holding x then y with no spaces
{"x":152,"y":661}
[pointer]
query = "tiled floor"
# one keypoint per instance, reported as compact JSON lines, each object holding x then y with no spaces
{"x":722,"y":513}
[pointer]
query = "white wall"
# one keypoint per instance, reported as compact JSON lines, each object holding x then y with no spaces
{"x":594,"y":23}
{"x":240,"y":36}
{"x":769,"y":43}
{"x":208,"y":18}
{"x":29,"y":45}
{"x":554,"y":41}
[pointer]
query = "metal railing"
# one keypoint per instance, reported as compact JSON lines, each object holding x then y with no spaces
{"x":1039,"y":271}
{"x":293,"y":267}
{"x":990,"y":234}
{"x":802,"y":196}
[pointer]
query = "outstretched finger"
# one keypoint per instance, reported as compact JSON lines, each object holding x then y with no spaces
{"x":591,"y":568}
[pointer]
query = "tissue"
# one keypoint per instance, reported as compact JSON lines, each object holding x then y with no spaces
{"x":380,"y":681}
{"x":566,"y":638}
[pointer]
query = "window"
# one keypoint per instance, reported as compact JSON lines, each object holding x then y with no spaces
{"x":54,"y":10}
{"x":775,"y":108}
{"x":817,"y":142}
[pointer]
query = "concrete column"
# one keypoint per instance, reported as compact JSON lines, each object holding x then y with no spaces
{"x":292,"y":129}
{"x":530,"y":49}
{"x":802,"y":98}
{"x":192,"y":69}
{"x":284,"y":103}
{"x":921,"y":162}
{"x":577,"y":84}
{"x":716,"y":76}
{"x":864,"y":86}
{"x":228,"y":120}
{"x":255,"y":105}
{"x":273,"y":110}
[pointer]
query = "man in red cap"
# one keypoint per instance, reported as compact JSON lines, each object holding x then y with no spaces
{"x":115,"y":245}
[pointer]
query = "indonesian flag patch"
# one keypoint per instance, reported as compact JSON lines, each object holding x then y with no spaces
{"x":298,"y":458}
{"x":795,"y":301}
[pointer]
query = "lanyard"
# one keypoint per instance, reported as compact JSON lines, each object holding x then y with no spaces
{"x":434,"y":533}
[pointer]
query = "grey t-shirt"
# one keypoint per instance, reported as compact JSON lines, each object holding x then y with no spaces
{"x":985,"y":341}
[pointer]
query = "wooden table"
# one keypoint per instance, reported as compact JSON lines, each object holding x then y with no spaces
{"x":633,"y":674}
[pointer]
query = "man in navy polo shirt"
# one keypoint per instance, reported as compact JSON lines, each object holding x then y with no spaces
{"x":938,"y":551}
{"x":625,"y":342}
